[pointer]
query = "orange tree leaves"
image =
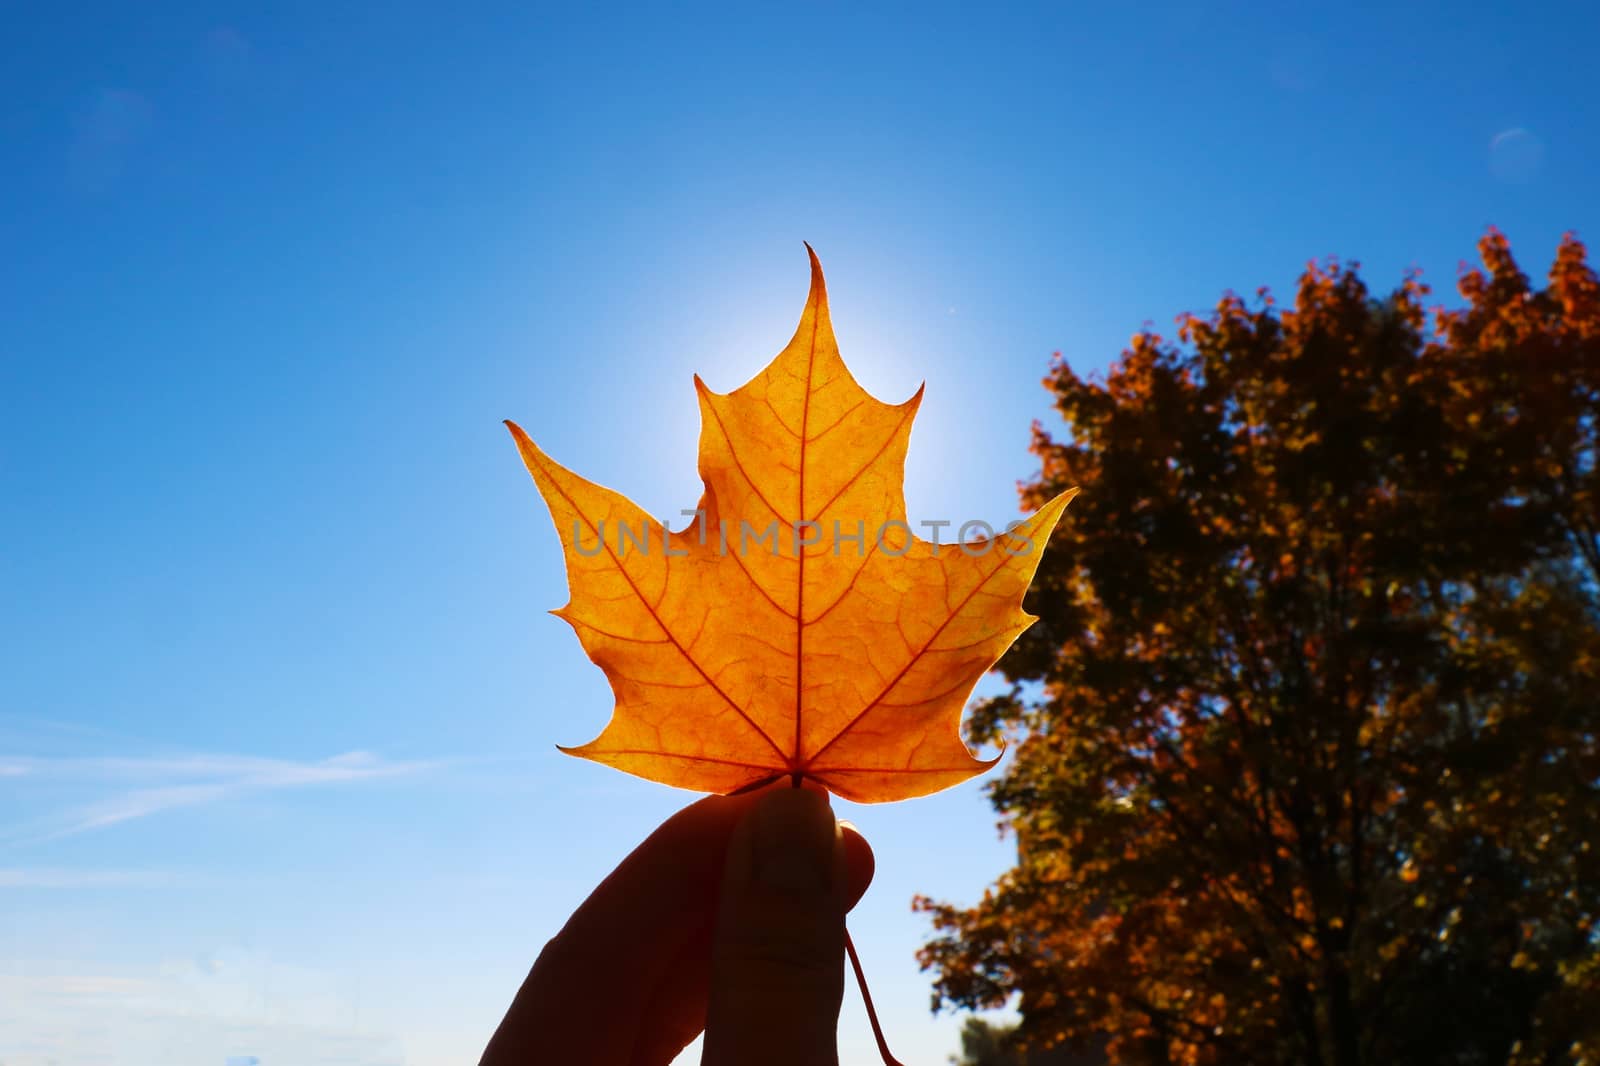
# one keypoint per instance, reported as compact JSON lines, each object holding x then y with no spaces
{"x":1311,"y":772}
{"x":796,"y":627}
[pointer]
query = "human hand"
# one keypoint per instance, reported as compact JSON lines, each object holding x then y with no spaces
{"x":728,"y":918}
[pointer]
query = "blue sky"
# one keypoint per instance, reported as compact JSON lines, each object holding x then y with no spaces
{"x":278,"y":695}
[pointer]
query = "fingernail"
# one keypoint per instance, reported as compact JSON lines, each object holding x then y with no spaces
{"x":795,"y":836}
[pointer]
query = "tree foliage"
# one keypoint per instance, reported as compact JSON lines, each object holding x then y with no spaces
{"x":983,"y":1044}
{"x":986,"y":1044}
{"x":1306,"y":737}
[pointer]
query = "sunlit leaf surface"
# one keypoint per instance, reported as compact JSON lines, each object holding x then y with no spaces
{"x":797,"y":626}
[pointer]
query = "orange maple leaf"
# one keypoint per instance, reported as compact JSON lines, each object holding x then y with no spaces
{"x":796,"y":626}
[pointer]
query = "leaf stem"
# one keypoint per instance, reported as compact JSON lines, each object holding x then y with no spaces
{"x":866,"y":997}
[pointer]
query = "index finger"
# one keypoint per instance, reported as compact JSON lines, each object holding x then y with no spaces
{"x":643,"y":928}
{"x":620,"y":939}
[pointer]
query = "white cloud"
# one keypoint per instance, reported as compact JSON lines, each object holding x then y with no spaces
{"x":109,"y":129}
{"x":349,"y":766}
{"x":53,"y":877}
{"x":182,"y":1015}
{"x":149,"y":785}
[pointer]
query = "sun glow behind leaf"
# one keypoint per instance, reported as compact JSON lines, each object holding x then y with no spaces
{"x":797,"y":628}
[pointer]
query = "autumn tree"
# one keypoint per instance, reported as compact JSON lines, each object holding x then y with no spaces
{"x":986,"y":1044}
{"x":1306,"y":753}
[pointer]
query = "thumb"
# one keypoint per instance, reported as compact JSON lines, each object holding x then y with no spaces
{"x":777,"y":971}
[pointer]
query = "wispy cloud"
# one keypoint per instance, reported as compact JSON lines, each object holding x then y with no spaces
{"x":350,"y":766}
{"x":141,"y":804}
{"x":109,"y":129}
{"x":254,"y":1010}
{"x":52,"y":877}
{"x":149,"y":785}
